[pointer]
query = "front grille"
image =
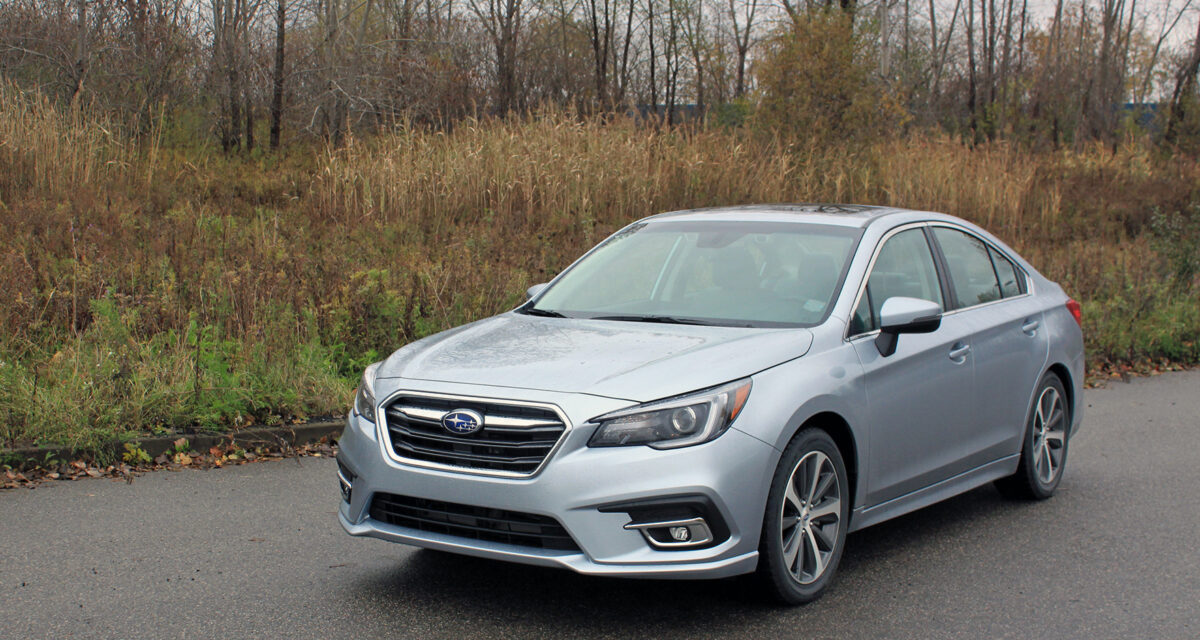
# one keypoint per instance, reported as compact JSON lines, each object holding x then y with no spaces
{"x":514,"y":440}
{"x":477,"y":523}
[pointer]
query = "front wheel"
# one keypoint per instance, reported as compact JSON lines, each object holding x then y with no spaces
{"x":804,"y":527}
{"x":1044,"y":450}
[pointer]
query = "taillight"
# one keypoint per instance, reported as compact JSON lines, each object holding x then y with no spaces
{"x":1076,"y":312}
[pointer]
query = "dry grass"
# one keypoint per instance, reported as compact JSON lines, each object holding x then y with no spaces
{"x":145,"y":288}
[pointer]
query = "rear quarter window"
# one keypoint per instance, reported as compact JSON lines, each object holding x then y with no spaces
{"x":1012,"y":279}
{"x":972,"y":275}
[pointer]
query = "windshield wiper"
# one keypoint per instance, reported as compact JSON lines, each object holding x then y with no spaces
{"x":545,"y":313}
{"x":660,"y":319}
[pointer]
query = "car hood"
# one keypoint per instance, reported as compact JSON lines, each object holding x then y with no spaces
{"x":626,"y":360}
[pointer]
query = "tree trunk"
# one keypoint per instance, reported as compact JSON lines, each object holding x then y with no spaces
{"x":623,"y":78}
{"x":81,"y":51}
{"x":672,"y":61}
{"x":277,"y":79}
{"x":971,"y":80}
{"x":653,"y":58}
{"x":248,"y":110}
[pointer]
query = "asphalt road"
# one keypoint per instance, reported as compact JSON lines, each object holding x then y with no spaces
{"x":255,"y":551}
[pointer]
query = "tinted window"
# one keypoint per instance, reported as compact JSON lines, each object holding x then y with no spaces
{"x":905,"y":268}
{"x":972,"y":276}
{"x":1012,"y":282}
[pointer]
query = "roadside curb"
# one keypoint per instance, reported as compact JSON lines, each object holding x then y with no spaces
{"x":250,"y":437}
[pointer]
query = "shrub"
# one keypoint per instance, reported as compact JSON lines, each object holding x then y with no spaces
{"x":818,"y":83}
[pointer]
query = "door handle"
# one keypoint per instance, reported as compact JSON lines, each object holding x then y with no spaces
{"x":959,"y":351}
{"x":1030,"y":326}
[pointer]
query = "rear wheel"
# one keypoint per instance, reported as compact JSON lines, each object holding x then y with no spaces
{"x":1044,"y":452}
{"x":804,"y":527}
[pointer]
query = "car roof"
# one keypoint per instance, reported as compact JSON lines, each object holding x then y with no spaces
{"x":846,"y":215}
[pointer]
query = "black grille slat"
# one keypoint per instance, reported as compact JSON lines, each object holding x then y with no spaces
{"x":449,"y":439}
{"x":507,"y":448}
{"x":477,"y":523}
{"x":468,"y":457}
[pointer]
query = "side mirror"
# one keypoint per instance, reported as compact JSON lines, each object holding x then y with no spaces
{"x":905,"y":315}
{"x":534,"y":290}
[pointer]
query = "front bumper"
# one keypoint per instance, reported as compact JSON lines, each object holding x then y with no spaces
{"x":732,"y":472}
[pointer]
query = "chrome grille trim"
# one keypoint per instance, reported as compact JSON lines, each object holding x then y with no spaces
{"x":405,"y":427}
{"x":435,"y":416}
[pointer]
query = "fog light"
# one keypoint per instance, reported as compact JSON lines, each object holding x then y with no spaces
{"x":674,"y":534}
{"x":345,"y":482}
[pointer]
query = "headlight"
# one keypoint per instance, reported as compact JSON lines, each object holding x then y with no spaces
{"x":364,"y":399}
{"x":675,"y":422}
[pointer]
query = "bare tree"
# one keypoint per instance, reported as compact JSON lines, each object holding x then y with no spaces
{"x":1184,"y":96}
{"x":1171,"y":16}
{"x":695,"y":36}
{"x":742,"y":31}
{"x":277,"y":78}
{"x":503,"y":21}
{"x":231,"y":22}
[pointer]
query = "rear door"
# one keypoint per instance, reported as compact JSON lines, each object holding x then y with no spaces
{"x":920,"y":397}
{"x":991,"y":299}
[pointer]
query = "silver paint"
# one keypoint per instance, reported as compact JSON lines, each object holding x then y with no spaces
{"x":945,"y":414}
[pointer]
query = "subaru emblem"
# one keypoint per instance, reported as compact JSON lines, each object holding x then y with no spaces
{"x":462,"y":421}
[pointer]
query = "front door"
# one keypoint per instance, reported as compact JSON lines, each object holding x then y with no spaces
{"x":919,"y":397}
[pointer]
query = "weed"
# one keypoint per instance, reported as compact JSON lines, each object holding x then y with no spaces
{"x":1177,"y":238}
{"x":135,"y":455}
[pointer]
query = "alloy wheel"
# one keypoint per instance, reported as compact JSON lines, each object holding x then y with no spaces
{"x":1049,"y":435}
{"x":811,"y":517}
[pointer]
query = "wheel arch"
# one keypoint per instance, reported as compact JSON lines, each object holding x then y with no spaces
{"x":1064,"y":375}
{"x":839,"y":430}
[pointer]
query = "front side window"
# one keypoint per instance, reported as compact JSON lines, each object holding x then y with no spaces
{"x":707,"y":272}
{"x":904,"y":268}
{"x":972,"y":275}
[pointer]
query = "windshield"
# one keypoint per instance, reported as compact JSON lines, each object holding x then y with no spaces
{"x":706,"y":272}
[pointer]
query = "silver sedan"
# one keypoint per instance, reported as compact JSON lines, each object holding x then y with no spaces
{"x":723,"y":391}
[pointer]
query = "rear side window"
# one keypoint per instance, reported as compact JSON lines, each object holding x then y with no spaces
{"x":905,"y":268}
{"x":973,"y":277}
{"x":1012,"y":280}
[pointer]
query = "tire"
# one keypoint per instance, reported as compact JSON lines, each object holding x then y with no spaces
{"x":804,"y":529}
{"x":1046,"y":439}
